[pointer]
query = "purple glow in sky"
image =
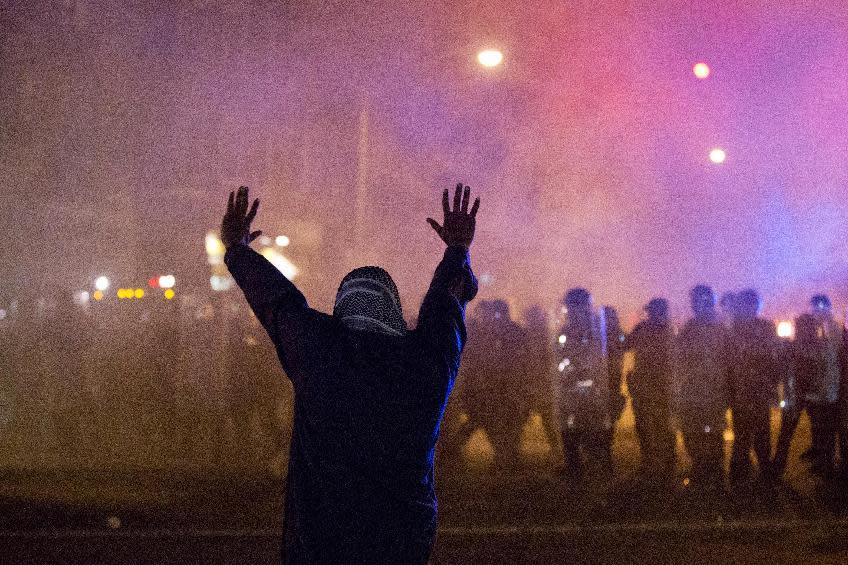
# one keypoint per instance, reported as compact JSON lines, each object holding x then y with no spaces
{"x":126,"y":125}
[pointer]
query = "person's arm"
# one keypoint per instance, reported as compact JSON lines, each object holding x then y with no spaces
{"x":442,"y":316}
{"x":268,"y":292}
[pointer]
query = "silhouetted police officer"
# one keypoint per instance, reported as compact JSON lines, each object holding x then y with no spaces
{"x":495,"y":388}
{"x":754,"y":377}
{"x":822,"y":357}
{"x":539,"y":384}
{"x":704,"y":391}
{"x":802,"y":366}
{"x":649,"y":385}
{"x":615,"y":366}
{"x":583,"y":386}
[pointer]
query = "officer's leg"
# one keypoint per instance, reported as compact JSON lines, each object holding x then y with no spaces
{"x":817,"y":431}
{"x":603,"y":447}
{"x":463,"y":432}
{"x":740,"y":459}
{"x":714,"y":439}
{"x":498,"y":432}
{"x":571,"y":451}
{"x":642,"y":427}
{"x":516,"y":433}
{"x":762,"y":435}
{"x":546,"y":411}
{"x":830,"y":424}
{"x":692,"y":441}
{"x":789,"y":419}
{"x":666,"y":443}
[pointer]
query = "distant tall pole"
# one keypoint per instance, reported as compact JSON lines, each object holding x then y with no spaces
{"x":361,"y":188}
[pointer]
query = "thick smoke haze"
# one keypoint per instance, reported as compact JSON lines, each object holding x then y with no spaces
{"x":125,"y":125}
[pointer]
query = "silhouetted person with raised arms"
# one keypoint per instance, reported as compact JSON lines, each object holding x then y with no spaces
{"x":369,"y":394}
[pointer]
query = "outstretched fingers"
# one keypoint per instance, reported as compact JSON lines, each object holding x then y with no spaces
{"x":445,"y":203}
{"x":466,"y":196}
{"x":241,"y":201}
{"x":475,"y":207}
{"x":457,"y":197}
{"x":231,"y":202}
{"x":252,"y":213}
{"x":435,"y":225}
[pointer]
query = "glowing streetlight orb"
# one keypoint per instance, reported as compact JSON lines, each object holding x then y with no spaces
{"x":786,"y":329}
{"x":490,"y":57}
{"x":718,"y":156}
{"x":101,"y":283}
{"x":282,"y":240}
{"x":167,"y":281}
{"x":701,"y":70}
{"x":98,"y":295}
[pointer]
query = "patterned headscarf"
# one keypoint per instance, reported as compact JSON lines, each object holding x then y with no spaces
{"x":368,"y":300}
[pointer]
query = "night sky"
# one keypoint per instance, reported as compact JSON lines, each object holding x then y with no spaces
{"x":125,"y":124}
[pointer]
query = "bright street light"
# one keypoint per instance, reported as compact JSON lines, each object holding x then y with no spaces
{"x":786,"y":329}
{"x":101,"y":284}
{"x":701,"y":70}
{"x":490,"y":57}
{"x":718,"y":156}
{"x":167,"y":281}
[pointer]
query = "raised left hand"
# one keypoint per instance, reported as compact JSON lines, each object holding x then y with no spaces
{"x":235,"y":227}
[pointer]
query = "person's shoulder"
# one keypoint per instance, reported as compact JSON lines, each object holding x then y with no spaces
{"x":318,"y":316}
{"x":312,"y":320}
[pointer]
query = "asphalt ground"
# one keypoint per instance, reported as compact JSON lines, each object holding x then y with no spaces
{"x":528,"y":514}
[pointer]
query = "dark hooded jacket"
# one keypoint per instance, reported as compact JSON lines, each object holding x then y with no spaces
{"x":367,"y":410}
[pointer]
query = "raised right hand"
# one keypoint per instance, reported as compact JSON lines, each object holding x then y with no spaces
{"x":235,"y":227}
{"x":459,"y":224}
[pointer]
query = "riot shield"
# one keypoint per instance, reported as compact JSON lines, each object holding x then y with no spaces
{"x":581,"y":376}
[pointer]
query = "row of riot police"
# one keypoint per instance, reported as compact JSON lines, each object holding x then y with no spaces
{"x":141,"y":383}
{"x":737,"y":363}
{"x":684,"y":381}
{"x":506,"y":376}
